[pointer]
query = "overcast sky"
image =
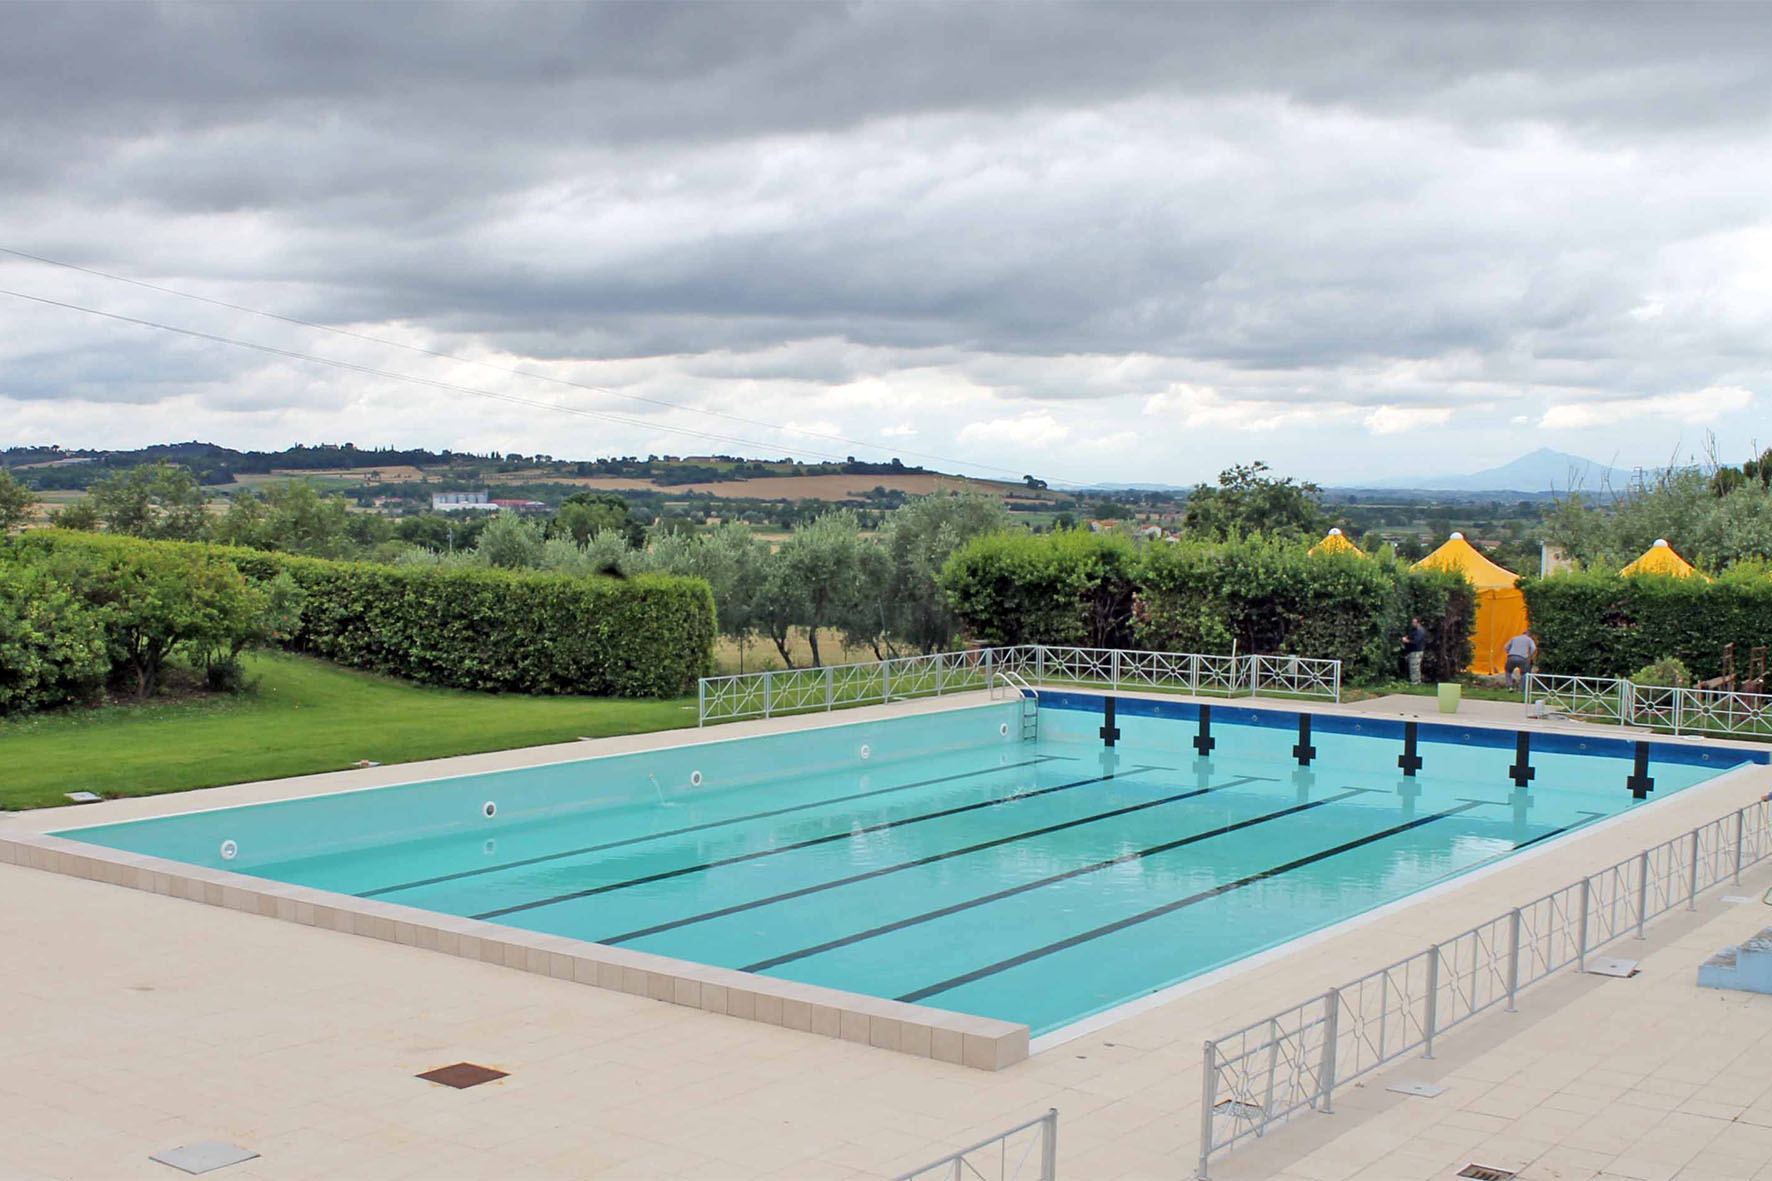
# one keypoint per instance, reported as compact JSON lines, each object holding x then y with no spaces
{"x":1092,"y":241}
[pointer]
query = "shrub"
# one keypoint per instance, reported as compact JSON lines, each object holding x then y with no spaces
{"x":1255,"y":594}
{"x":1599,"y":623}
{"x":52,"y":645}
{"x":1669,"y":671}
{"x":469,"y":627}
{"x":1068,"y":587}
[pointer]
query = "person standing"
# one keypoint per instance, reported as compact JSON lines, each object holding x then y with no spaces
{"x":1414,"y":644}
{"x":1522,"y":651}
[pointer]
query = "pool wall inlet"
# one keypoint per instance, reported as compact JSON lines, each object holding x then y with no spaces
{"x":982,"y":1043}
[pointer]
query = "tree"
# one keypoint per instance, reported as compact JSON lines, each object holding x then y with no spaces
{"x":585,"y":513}
{"x":52,"y":644}
{"x":158,"y":600}
{"x":917,"y":540}
{"x":158,"y":500}
{"x":815,"y":578}
{"x":1248,"y":500}
{"x":511,"y":542}
{"x":79,"y":515}
{"x":16,"y":503}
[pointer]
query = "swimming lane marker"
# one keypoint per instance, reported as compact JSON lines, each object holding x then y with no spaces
{"x":1522,"y":771}
{"x":1204,"y":742}
{"x":1304,"y":752}
{"x":1640,"y":782}
{"x":1409,"y":761}
{"x":1110,"y":733}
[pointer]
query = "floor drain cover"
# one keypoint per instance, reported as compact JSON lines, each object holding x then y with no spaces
{"x":1423,"y":1090}
{"x":1485,"y":1173}
{"x":462,"y":1075}
{"x":1238,"y":1109}
{"x":205,"y":1157}
{"x":1611,"y":965}
{"x":83,"y":797}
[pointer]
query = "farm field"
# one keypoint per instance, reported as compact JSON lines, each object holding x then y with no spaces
{"x":827,"y":487}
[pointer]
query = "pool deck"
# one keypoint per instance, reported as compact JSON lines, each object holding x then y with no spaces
{"x":136,"y":1022}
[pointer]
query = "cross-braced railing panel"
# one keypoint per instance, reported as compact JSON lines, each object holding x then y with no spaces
{"x":1254,"y":1077}
{"x":1027,"y":1152}
{"x":1601,"y":698}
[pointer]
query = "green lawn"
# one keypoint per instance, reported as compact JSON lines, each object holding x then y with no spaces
{"x":301,"y":716}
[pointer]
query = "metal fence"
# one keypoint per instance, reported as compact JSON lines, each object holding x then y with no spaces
{"x":799,"y":690}
{"x":1291,"y":1062}
{"x":1026,"y":1152}
{"x":1654,"y":707}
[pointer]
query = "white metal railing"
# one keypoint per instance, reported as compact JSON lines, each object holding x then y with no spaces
{"x":1291,"y":1062}
{"x":797,"y":690}
{"x":1654,"y":707}
{"x":1026,"y":1152}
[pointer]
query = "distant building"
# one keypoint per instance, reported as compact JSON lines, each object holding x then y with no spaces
{"x":521,"y":506}
{"x":455,"y":502}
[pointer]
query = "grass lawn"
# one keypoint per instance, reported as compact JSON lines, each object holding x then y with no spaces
{"x":301,"y":716}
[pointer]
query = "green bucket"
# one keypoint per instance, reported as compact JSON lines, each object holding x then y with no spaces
{"x":1450,"y":691}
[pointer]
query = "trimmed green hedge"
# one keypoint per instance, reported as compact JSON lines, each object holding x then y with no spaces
{"x":1601,"y":624}
{"x":1264,"y":596}
{"x":490,"y":630}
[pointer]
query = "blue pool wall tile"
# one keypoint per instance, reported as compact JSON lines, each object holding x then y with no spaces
{"x":1682,"y":753}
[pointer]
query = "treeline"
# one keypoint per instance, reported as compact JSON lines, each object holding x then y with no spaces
{"x":1714,"y":516}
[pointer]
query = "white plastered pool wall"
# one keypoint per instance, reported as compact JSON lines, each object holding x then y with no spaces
{"x":919,"y":1030}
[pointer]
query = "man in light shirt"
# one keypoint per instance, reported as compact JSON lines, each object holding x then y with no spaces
{"x":1520,"y":653}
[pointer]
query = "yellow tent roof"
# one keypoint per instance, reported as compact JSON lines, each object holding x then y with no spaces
{"x":1460,"y":555}
{"x":1661,"y":559}
{"x":1335,"y":543}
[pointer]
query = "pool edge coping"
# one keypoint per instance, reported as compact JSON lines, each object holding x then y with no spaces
{"x":980,"y":1043}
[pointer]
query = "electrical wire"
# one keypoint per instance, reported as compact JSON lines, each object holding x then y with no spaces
{"x":511,"y":370}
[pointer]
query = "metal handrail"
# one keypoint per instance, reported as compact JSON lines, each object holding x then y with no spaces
{"x":959,"y":1165}
{"x":767,"y":694}
{"x":1290,"y":1062}
{"x":1654,"y":707}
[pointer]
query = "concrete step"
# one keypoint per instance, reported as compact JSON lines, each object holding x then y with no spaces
{"x":1746,"y":968}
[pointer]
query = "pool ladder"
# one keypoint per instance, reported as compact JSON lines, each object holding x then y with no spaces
{"x":1029,"y":697}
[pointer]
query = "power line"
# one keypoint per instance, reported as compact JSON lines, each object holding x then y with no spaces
{"x":511,"y":370}
{"x":372,"y":371}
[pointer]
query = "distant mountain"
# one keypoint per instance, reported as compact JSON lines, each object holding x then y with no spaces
{"x":1542,"y":471}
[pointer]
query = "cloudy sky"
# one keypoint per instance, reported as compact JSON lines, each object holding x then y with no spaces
{"x":1091,"y":241}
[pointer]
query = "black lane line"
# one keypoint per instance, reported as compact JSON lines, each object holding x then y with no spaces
{"x":1011,"y":891}
{"x":1557,"y":832}
{"x":789,"y":848}
{"x":1178,"y":904}
{"x":928,"y":860}
{"x":677,"y":832}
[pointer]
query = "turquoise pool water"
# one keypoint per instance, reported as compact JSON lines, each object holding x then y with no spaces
{"x":944,"y":860}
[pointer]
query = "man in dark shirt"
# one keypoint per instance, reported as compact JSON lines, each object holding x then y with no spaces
{"x":1414,"y":644}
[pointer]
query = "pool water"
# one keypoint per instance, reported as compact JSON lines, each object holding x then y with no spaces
{"x":942,"y":859}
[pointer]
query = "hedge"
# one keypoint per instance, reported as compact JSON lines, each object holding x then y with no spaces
{"x":1256,"y":595}
{"x":489,"y":630}
{"x":1602,"y":624}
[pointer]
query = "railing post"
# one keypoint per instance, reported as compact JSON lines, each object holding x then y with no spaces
{"x":1627,"y":703}
{"x":1581,"y":935}
{"x":1049,"y":1147}
{"x":1331,"y":1032}
{"x":701,"y":719}
{"x":1433,"y":999}
{"x":768,"y":692}
{"x":1114,"y":668}
{"x":1208,"y":1101}
{"x":1039,"y":664}
{"x":1692,"y":883}
{"x":1642,"y":891}
{"x":1513,"y":958}
{"x":1740,"y":824}
{"x":886,"y":680}
{"x":940,"y":674}
{"x":1679,"y":702}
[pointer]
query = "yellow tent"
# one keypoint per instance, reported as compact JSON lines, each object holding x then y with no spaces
{"x":1501,"y":607}
{"x":1335,"y":543}
{"x":1661,"y":559}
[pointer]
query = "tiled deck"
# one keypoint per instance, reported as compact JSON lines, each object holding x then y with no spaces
{"x":136,"y":1022}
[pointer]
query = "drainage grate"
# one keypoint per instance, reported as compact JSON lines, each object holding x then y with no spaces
{"x":1485,"y":1173}
{"x":462,"y":1075}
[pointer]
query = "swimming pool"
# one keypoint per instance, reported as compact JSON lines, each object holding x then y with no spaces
{"x":945,"y":860}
